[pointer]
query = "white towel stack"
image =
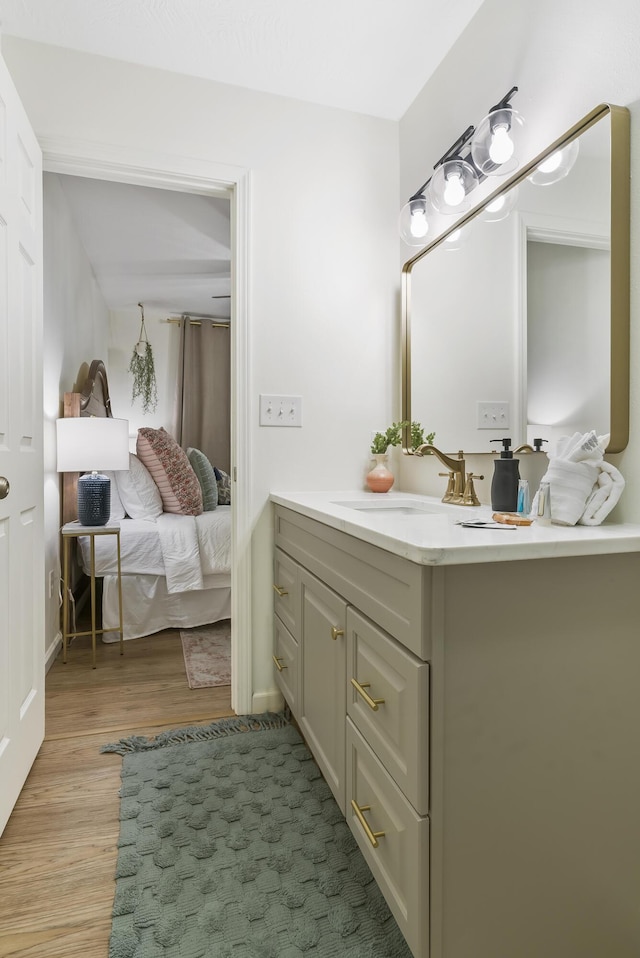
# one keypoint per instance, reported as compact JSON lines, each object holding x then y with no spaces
{"x":583,"y":487}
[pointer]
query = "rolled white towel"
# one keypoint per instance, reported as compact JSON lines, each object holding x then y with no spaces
{"x":582,"y":447}
{"x":571,"y":484}
{"x":604,"y":496}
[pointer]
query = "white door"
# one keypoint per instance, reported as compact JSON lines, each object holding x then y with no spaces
{"x":21,"y":468}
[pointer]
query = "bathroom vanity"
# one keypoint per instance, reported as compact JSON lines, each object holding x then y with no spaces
{"x":472,"y":699}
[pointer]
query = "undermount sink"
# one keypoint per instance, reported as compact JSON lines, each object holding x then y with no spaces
{"x":398,"y":507}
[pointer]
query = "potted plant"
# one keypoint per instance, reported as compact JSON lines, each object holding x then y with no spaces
{"x":380,"y":479}
{"x":142,"y":368}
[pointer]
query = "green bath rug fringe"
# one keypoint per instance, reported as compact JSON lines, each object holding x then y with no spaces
{"x":233,"y":846}
{"x":199,"y":733}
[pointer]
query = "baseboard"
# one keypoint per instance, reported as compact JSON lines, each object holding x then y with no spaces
{"x":52,"y":651}
{"x":267,"y":702}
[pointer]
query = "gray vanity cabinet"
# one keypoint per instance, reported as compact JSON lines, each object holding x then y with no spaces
{"x":479,"y":724}
{"x":322,"y":697}
{"x":362,"y":699}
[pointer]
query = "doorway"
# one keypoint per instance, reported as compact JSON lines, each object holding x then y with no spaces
{"x":205,"y":179}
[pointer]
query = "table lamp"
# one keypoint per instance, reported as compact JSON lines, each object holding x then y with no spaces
{"x":87,"y":444}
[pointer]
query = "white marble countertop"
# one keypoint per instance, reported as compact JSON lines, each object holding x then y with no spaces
{"x":433,"y":537}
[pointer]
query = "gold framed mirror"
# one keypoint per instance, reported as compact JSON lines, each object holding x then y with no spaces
{"x":519,"y":326}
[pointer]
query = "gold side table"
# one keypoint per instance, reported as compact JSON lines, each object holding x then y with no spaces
{"x":73,"y":530}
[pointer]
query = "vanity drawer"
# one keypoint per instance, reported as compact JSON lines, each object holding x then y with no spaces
{"x":286,"y":661}
{"x":400,"y":862}
{"x":286,"y":588}
{"x":390,"y":590}
{"x":388,"y":701}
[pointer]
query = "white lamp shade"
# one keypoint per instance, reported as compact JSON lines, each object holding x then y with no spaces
{"x":90,"y":443}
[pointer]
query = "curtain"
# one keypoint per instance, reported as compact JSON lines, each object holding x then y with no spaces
{"x":203,"y":394}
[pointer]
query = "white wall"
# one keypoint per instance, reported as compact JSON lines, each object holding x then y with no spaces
{"x":124,"y":328}
{"x":75,"y":332}
{"x":565,"y":58}
{"x":323,"y":257}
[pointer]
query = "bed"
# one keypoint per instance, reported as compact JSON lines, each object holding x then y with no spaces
{"x":176,"y":568}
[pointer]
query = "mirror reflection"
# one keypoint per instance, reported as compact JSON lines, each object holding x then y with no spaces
{"x":516,"y":325}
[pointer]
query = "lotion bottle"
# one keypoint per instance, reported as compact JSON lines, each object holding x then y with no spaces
{"x":506,"y":475}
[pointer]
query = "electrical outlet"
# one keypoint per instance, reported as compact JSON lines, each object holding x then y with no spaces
{"x":493,"y":415}
{"x":280,"y":410}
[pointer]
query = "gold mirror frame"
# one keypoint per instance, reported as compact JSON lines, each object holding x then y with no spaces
{"x":620,"y":268}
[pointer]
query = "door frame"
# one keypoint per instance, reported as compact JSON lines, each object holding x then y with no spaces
{"x":187,"y":174}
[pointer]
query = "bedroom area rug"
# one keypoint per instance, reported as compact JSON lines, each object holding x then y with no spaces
{"x":207,"y":654}
{"x":232,"y":846}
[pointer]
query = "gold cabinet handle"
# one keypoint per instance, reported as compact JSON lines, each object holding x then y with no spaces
{"x":277,"y":661}
{"x":335,"y":632}
{"x":360,"y":689}
{"x":281,"y":592}
{"x":372,"y":836}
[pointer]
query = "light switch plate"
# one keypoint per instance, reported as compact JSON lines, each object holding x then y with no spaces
{"x":493,"y":415}
{"x":280,"y":410}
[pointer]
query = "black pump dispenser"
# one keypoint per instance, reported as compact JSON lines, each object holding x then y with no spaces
{"x":504,"y":485}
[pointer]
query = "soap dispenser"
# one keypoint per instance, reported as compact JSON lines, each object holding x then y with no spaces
{"x":504,"y":485}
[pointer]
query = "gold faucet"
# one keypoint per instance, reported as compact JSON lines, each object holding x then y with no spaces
{"x":455,"y":467}
{"x":525,"y":447}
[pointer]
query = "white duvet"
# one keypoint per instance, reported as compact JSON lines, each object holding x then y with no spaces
{"x":181,"y":548}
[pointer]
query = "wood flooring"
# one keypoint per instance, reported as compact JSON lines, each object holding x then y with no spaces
{"x":58,"y":851}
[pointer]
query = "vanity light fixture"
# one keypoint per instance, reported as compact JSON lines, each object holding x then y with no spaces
{"x":556,"y":166}
{"x":489,"y":150}
{"x":414,"y":220}
{"x":495,"y":141}
{"x":499,"y":208}
{"x":451,"y":185}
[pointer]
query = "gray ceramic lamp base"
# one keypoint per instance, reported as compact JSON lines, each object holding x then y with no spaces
{"x":94,"y":499}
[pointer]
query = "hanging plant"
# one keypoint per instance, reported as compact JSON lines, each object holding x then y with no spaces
{"x":142,"y":368}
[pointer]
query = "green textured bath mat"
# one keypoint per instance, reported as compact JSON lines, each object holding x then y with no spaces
{"x":232,"y":846}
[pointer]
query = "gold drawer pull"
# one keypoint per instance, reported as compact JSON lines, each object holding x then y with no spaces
{"x":335,"y":632}
{"x":278,"y":661}
{"x":360,"y":689}
{"x":372,"y":836}
{"x":281,"y":592}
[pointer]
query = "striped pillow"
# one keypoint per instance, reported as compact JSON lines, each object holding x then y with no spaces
{"x":206,"y":477}
{"x":171,"y":470}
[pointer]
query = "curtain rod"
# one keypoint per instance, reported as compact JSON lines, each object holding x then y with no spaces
{"x":217,"y":324}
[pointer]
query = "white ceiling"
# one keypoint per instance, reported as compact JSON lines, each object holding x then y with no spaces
{"x":163,"y":248}
{"x":371,"y":56}
{"x":172,"y":249}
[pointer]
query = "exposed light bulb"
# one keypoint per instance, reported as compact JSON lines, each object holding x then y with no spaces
{"x":502,"y":146}
{"x":419,"y":223}
{"x":454,"y":191}
{"x":551,"y":164}
{"x":454,"y":237}
{"x":496,"y":205}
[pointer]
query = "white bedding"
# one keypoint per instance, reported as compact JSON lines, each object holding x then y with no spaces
{"x":184,"y":549}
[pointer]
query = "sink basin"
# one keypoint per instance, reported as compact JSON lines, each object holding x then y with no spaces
{"x":397,"y":507}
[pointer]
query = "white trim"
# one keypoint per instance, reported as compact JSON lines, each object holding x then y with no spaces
{"x":52,"y":651}
{"x":563,"y":230}
{"x":189,"y":174}
{"x":267,"y":702}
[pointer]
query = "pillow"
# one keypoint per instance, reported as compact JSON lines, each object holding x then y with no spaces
{"x":224,"y":487}
{"x":170,"y":468}
{"x":138,"y":492}
{"x":117,"y":509}
{"x":206,"y":477}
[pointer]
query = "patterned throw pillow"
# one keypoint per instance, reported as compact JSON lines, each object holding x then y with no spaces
{"x":206,"y":477}
{"x":171,"y":470}
{"x":224,"y":487}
